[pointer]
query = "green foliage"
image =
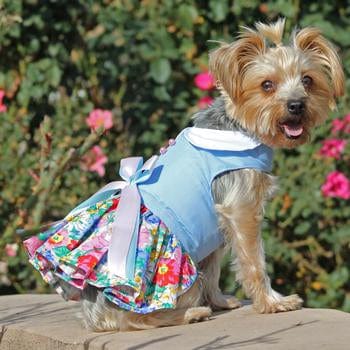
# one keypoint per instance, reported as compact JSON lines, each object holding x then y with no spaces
{"x":62,"y":59}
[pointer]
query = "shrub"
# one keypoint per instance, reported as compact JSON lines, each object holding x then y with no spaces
{"x":62,"y":60}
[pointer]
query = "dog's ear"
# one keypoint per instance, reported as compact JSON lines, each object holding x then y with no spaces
{"x":310,"y":39}
{"x":228,"y":62}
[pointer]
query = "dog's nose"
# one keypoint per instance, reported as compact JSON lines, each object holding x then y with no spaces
{"x":296,"y":107}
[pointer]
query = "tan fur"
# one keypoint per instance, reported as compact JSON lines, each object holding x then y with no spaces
{"x":274,"y":31}
{"x":241,"y":221}
{"x":240,"y":69}
{"x":210,"y":269}
{"x":321,"y":50}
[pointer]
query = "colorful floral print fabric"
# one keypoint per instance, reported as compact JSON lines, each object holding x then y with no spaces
{"x":75,"y":251}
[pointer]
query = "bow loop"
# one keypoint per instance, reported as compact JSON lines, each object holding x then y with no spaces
{"x":133,"y":171}
{"x":130,"y":167}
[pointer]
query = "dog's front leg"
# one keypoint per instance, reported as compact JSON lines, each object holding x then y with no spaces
{"x":241,"y":213}
{"x":251,"y":271}
{"x":210,"y":273}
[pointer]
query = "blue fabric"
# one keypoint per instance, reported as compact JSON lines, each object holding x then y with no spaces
{"x":179,"y":190}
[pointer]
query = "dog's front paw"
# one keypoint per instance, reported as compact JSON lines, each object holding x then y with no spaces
{"x":278,"y":303}
{"x":225,"y":302}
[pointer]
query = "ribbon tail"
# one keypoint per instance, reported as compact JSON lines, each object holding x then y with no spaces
{"x":131,"y":258}
{"x":121,"y":244}
{"x":102,"y":194}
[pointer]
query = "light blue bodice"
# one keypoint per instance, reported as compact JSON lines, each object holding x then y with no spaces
{"x":179,"y":190}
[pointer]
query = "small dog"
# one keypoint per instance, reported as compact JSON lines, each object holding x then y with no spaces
{"x":276,"y":93}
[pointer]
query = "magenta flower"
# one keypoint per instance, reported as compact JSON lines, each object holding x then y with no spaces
{"x":332,"y":148}
{"x":204,"y":81}
{"x":204,"y":102}
{"x":98,"y":118}
{"x":342,"y":125}
{"x":337,"y":125}
{"x":346,"y":128}
{"x":3,"y":107}
{"x":95,"y":160}
{"x":336,"y":185}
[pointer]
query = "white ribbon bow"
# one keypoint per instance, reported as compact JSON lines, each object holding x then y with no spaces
{"x":125,"y":227}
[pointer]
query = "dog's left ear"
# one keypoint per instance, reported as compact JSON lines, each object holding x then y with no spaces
{"x":310,"y":39}
{"x":229,"y":61}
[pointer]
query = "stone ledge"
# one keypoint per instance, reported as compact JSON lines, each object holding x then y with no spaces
{"x":47,"y":322}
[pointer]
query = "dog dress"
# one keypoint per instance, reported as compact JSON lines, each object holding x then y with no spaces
{"x":139,"y":241}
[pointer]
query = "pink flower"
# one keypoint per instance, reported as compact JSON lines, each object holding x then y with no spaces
{"x":98,"y":118}
{"x":336,"y":185}
{"x":95,"y":160}
{"x":341,"y":125}
{"x":11,"y":249}
{"x":204,"y":81}
{"x":337,"y":125}
{"x":3,"y":107}
{"x":144,"y":238}
{"x":204,"y":102}
{"x":332,"y":148}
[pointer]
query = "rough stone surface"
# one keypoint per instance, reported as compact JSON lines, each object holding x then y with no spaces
{"x":47,"y":322}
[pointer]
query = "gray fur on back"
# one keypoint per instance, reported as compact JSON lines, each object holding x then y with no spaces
{"x":215,"y":117}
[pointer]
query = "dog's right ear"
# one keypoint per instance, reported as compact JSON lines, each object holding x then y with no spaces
{"x":229,"y":62}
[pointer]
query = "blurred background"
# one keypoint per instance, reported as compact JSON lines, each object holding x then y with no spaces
{"x":139,"y":69}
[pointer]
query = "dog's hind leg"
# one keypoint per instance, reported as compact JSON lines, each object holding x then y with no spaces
{"x":187,"y":311}
{"x":98,"y":314}
{"x":101,"y":315}
{"x":164,"y":318}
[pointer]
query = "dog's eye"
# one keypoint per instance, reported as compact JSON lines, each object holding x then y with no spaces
{"x":307,"y":81}
{"x":267,"y":85}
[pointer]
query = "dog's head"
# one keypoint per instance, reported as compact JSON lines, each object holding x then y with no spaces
{"x":275,"y":91}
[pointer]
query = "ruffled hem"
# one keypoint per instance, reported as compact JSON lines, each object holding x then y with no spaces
{"x":75,"y":251}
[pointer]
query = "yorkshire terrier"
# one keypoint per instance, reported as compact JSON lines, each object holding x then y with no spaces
{"x":277,"y":94}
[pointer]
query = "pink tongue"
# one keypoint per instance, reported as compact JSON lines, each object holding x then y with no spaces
{"x":293,"y":130}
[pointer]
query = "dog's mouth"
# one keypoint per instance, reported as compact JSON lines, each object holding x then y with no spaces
{"x":292,"y":128}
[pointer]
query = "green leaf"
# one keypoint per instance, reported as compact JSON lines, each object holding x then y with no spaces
{"x":219,"y":10}
{"x":54,"y":76}
{"x":160,"y":70}
{"x":161,"y":93}
{"x":286,"y":8}
{"x":302,"y":228}
{"x":186,"y":15}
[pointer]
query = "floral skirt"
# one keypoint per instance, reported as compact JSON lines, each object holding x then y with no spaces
{"x":75,"y":251}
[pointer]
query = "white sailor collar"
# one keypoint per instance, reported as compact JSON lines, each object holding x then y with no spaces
{"x":226,"y":140}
